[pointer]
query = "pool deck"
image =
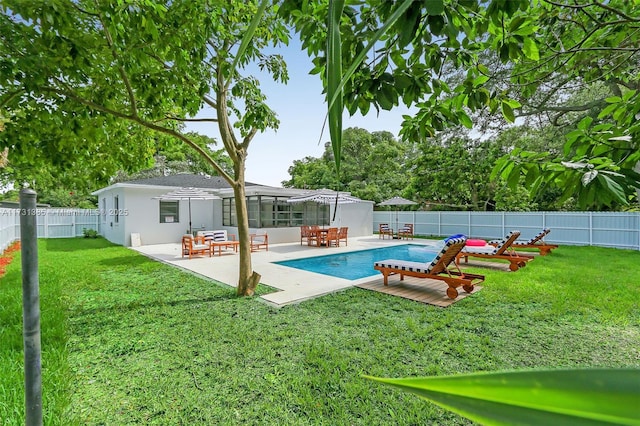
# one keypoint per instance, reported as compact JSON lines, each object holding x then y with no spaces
{"x":295,"y":285}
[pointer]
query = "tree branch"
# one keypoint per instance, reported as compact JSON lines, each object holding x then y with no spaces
{"x":192,"y":120}
{"x":121,"y":71}
{"x":144,"y":123}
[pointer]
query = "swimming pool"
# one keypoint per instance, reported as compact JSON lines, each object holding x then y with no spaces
{"x":359,"y":264}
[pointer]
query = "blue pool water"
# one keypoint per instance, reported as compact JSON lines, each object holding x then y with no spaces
{"x":359,"y":264}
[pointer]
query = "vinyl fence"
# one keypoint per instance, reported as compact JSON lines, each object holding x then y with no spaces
{"x":604,"y":229}
{"x":52,"y":223}
{"x":614,"y":229}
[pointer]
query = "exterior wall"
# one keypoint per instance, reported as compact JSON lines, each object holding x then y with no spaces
{"x":112,"y":230}
{"x":604,"y":229}
{"x":143,"y":217}
{"x":357,"y":216}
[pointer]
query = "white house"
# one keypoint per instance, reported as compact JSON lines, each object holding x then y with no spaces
{"x":133,"y":208}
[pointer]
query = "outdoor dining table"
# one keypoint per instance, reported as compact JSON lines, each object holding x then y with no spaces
{"x":320,"y":235}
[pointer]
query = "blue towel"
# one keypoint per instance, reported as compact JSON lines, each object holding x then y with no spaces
{"x":446,"y":240}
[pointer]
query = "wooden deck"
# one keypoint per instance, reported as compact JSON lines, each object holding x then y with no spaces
{"x":421,"y":290}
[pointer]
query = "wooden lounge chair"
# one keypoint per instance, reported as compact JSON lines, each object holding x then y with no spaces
{"x":442,"y":268}
{"x":406,"y":231}
{"x":535,"y":242}
{"x":503,"y":251}
{"x":383,"y":229}
{"x":194,"y":245}
{"x":258,"y":241}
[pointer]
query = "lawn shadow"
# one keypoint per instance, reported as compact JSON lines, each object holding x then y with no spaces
{"x":126,"y":261}
{"x":76,"y":244}
{"x":135,"y":305}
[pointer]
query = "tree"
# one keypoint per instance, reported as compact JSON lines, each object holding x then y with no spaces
{"x":547,"y":48}
{"x":152,"y":65}
{"x":173,"y":156}
{"x":360,"y":173}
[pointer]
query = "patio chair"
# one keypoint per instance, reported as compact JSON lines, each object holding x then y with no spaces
{"x":502,"y":251}
{"x":314,"y":237}
{"x":406,"y":231}
{"x":258,"y":241}
{"x":442,"y":268}
{"x":383,"y":229}
{"x":330,"y":238}
{"x":342,"y":235}
{"x":535,"y":242}
{"x":194,"y":245}
{"x":305,"y":233}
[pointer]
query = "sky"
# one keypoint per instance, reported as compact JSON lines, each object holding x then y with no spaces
{"x":301,"y":109}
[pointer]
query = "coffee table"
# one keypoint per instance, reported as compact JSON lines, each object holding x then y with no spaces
{"x":225,"y":244}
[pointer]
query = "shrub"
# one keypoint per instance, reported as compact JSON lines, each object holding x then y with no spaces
{"x":89,"y":233}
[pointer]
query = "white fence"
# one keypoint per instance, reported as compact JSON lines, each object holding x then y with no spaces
{"x":52,"y":223}
{"x":604,"y":229}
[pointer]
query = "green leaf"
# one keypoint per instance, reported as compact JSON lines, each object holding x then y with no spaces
{"x":334,"y":75}
{"x":248,"y":35}
{"x":531,"y":49}
{"x":374,"y":39}
{"x":334,"y":68}
{"x":616,"y":191}
{"x":585,"y":123}
{"x":434,"y":7}
{"x":507,"y":112}
{"x":546,"y":397}
{"x":608,"y":110}
{"x":465,"y":120}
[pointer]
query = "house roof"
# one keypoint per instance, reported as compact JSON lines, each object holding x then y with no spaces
{"x":186,"y":180}
{"x":215,"y":183}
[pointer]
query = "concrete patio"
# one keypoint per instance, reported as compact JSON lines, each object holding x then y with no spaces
{"x":295,"y":285}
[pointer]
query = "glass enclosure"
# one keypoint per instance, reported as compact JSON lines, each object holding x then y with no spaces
{"x":274,"y":212}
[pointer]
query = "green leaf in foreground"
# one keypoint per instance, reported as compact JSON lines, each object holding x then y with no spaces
{"x":580,"y":396}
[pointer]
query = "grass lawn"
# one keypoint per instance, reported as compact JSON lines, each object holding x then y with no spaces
{"x":128,"y":340}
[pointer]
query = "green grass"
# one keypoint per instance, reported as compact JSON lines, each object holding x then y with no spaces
{"x":127,"y":340}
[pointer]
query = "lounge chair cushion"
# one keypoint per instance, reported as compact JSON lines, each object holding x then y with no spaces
{"x":405,"y":265}
{"x":480,"y":249}
{"x":536,"y":239}
{"x":490,"y":250}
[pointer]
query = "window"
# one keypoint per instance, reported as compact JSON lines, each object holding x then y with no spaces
{"x":169,"y":211}
{"x":253,"y":211}
{"x":273,"y":212}
{"x":104,"y":210}
{"x":229,"y":212}
{"x":116,"y":209}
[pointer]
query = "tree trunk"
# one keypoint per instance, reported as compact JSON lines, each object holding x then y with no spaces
{"x":247,"y":279}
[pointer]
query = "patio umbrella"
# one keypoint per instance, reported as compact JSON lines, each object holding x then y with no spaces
{"x":397,"y":201}
{"x":325,"y":196}
{"x":187,"y":194}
